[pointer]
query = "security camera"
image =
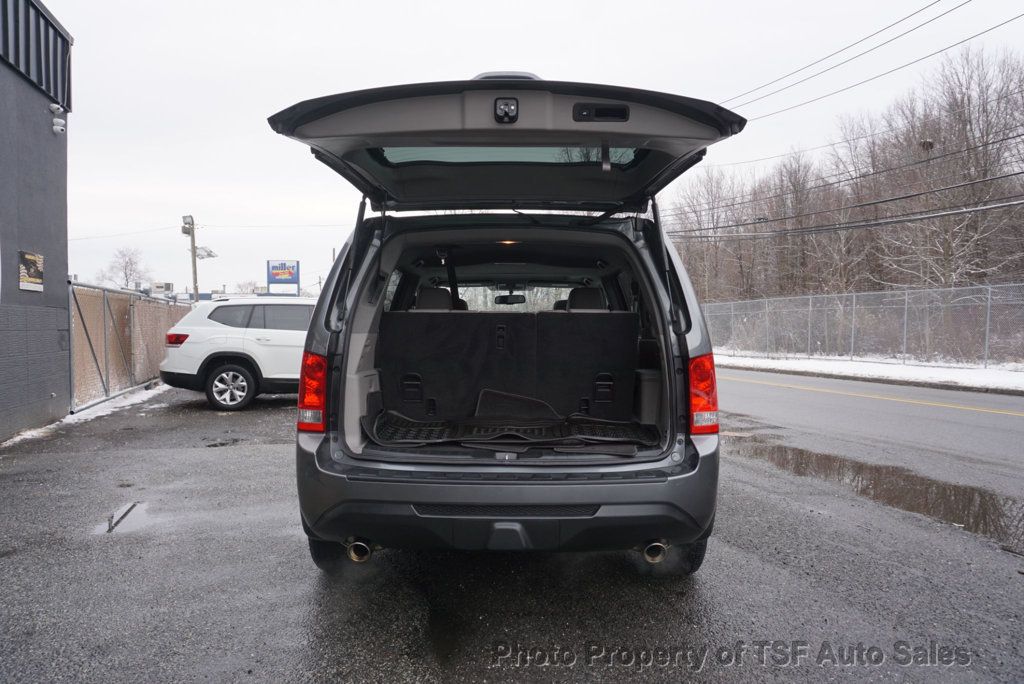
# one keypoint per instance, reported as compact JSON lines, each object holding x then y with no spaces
{"x":56,"y":109}
{"x":59,"y":124}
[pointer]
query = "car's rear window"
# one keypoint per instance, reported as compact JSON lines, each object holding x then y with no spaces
{"x":285,"y":317}
{"x":235,"y":316}
{"x":481,"y":298}
{"x":394,"y":156}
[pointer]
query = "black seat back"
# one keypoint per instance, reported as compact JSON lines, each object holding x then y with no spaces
{"x":434,"y":364}
{"x":587,"y":362}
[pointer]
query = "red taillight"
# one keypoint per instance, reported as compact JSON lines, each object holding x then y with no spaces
{"x":313,"y":393}
{"x":176,"y":339}
{"x":703,"y":396}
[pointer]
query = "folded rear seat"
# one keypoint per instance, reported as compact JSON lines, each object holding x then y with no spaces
{"x":434,"y":361}
{"x":433,"y":364}
{"x":588,"y":357}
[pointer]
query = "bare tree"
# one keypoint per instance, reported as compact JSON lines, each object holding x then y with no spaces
{"x":701,"y":209}
{"x":971,"y":109}
{"x":953,"y":144}
{"x":124,"y":269}
{"x":246,"y":287}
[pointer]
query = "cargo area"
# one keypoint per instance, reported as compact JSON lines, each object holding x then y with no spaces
{"x":555,"y":377}
{"x":521,"y":347}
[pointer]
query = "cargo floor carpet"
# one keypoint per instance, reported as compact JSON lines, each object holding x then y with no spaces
{"x":390,"y":428}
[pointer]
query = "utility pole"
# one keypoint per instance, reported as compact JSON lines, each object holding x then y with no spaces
{"x":188,"y":227}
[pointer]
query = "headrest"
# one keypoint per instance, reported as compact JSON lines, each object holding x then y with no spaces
{"x":586,"y":298}
{"x":461,"y":305}
{"x":561,"y":305}
{"x":433,"y":299}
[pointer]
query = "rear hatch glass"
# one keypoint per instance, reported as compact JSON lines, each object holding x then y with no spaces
{"x":507,"y":143}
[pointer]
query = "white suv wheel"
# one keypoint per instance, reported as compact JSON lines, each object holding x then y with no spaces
{"x":230,"y":387}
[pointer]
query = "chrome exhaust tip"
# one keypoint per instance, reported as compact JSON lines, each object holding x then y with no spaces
{"x":655,"y":552}
{"x":359,"y":552}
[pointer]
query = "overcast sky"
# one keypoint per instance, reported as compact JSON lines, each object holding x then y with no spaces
{"x":171,"y":98}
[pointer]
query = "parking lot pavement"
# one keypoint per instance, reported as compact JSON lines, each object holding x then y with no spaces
{"x":208,"y":577}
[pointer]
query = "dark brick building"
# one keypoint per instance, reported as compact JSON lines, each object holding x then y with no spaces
{"x":35,"y":96}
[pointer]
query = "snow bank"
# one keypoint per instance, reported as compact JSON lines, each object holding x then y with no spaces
{"x":91,"y":413}
{"x":983,"y":379}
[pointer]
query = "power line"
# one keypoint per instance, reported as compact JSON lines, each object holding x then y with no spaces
{"x":680,"y":210}
{"x":752,"y":198}
{"x":903,"y":215}
{"x":795,"y":152}
{"x":1010,"y":163}
{"x":130,"y":232}
{"x":893,"y":168}
{"x":217,"y":226}
{"x":850,"y":59}
{"x":828,"y":227}
{"x":904,"y":218}
{"x":855,"y":138}
{"x":884,"y":73}
{"x":682,"y":213}
{"x":833,"y":54}
{"x":860,"y":205}
{"x":278,"y":225}
{"x":838,"y":227}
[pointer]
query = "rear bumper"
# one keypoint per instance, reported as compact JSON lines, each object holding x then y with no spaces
{"x":187,"y":381}
{"x":423,"y":510}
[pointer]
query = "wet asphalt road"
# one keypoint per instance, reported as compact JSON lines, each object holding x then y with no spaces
{"x":209,"y":578}
{"x":967,"y":438}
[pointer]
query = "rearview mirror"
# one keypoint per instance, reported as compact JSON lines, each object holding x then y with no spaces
{"x":510,"y":299}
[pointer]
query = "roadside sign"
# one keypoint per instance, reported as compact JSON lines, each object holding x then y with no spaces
{"x":283,"y":272}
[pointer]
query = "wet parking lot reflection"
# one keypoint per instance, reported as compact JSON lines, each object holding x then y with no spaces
{"x":1000,"y":518}
{"x":469,"y":606}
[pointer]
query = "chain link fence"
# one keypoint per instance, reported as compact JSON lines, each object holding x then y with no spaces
{"x":981,"y":326}
{"x":117,"y":340}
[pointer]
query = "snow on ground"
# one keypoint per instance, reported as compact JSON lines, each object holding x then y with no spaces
{"x":993,"y":379}
{"x":91,"y":413}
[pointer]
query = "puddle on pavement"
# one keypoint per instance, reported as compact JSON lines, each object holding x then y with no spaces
{"x":223,"y":442}
{"x":129,"y":517}
{"x":977,"y":510}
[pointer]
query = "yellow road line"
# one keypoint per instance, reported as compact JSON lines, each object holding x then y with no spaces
{"x":919,"y":402}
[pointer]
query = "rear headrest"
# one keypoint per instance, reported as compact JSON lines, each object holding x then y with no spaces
{"x":433,"y":299}
{"x":561,"y":305}
{"x":461,"y":305}
{"x":587,"y":299}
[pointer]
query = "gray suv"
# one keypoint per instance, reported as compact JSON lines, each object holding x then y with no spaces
{"x":508,"y":354}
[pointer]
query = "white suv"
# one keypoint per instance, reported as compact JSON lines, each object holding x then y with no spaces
{"x":234,"y":349}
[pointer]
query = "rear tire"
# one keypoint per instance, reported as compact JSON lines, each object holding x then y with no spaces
{"x":681,"y":560}
{"x":230,"y":387}
{"x":330,"y":557}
